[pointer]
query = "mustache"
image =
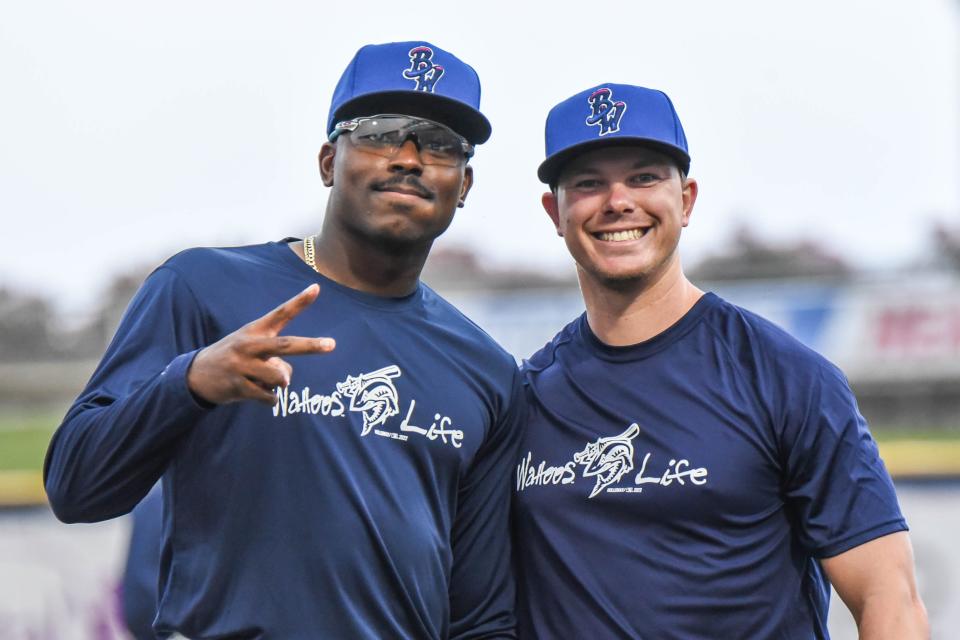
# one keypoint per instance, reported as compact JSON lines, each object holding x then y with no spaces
{"x":408,"y":181}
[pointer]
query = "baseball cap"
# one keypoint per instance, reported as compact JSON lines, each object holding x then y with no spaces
{"x":411,"y":78}
{"x":612,"y":114}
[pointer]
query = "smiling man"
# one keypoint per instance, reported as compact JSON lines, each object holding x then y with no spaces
{"x":688,"y":470}
{"x":362,"y":489}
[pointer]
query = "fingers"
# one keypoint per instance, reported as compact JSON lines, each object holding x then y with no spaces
{"x":252,"y":390}
{"x":277,"y":319}
{"x":245,"y":364}
{"x":284,"y":367}
{"x":290,"y":346}
{"x":270,"y":373}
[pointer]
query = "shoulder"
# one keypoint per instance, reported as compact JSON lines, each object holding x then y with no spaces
{"x":203,"y":260}
{"x":547,"y":355}
{"x":788,"y":377}
{"x":213,"y":271}
{"x":749,"y":337}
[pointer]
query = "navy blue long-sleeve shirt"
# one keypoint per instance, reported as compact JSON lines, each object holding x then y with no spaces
{"x":370,"y":501}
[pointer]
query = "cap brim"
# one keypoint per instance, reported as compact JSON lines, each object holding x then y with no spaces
{"x":550,"y":168}
{"x":459,"y":116}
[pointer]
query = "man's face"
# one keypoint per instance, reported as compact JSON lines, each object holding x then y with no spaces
{"x":620,"y":211}
{"x":393,"y":200}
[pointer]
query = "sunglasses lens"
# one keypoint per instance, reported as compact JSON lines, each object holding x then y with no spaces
{"x":378,"y":134}
{"x":436,"y":143}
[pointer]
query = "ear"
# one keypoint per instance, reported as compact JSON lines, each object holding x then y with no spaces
{"x":690,"y":190}
{"x":549,"y":202}
{"x":466,"y":185}
{"x":325,"y":159}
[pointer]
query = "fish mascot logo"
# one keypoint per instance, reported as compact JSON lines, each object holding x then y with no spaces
{"x":422,"y":69}
{"x":608,"y":459}
{"x":373,"y":395}
{"x":604,"y":112}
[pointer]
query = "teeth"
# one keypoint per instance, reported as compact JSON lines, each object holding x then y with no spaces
{"x":621,"y":236}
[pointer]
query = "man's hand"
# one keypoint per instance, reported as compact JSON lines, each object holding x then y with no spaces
{"x":245,"y":365}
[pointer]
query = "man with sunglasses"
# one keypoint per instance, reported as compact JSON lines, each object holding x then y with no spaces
{"x":313,"y":490}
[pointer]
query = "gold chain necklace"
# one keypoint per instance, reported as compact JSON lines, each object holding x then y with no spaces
{"x":309,"y":252}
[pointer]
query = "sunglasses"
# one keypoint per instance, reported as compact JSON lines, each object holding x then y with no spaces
{"x":385,"y":134}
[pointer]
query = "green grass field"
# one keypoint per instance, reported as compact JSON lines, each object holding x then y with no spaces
{"x":23,"y":443}
{"x":24,"y":438}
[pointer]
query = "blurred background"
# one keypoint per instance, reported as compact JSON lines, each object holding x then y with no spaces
{"x":824,"y":136}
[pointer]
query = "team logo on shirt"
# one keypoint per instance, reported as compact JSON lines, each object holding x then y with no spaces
{"x":604,"y":112}
{"x":422,"y":69}
{"x":607,"y":461}
{"x":375,"y":397}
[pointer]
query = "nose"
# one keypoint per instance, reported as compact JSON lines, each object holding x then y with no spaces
{"x":619,"y":199}
{"x":407,"y":158}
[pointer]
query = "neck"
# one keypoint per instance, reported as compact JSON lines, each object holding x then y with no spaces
{"x":625,"y":313}
{"x":383,"y":269}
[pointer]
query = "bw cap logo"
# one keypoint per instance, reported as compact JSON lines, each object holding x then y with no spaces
{"x":604,"y":112}
{"x":595,"y":117}
{"x":422,"y":69}
{"x":411,"y":78}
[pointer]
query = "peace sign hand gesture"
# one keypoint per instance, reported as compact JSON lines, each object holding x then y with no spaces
{"x":245,"y":365}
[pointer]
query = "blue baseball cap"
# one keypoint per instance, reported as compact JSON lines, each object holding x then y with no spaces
{"x":612,"y":114}
{"x":411,"y":78}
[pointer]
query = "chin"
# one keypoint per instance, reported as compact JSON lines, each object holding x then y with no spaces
{"x":619,"y":272}
{"x":622,"y":276}
{"x":623,"y":281}
{"x":403,"y":240}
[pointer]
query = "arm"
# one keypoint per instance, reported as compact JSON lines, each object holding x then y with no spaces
{"x":876,"y":581}
{"x":845,"y":509}
{"x":481,"y":586}
{"x":156,"y":382}
{"x":120,"y":433}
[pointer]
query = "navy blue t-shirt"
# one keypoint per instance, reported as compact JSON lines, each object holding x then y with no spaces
{"x":370,"y":502}
{"x":685,"y":487}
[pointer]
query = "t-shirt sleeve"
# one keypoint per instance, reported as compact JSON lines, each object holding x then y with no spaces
{"x":837,"y":488}
{"x":121,"y":432}
{"x":482,"y":589}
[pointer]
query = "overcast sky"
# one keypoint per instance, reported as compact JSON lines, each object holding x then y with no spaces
{"x":132,"y":130}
